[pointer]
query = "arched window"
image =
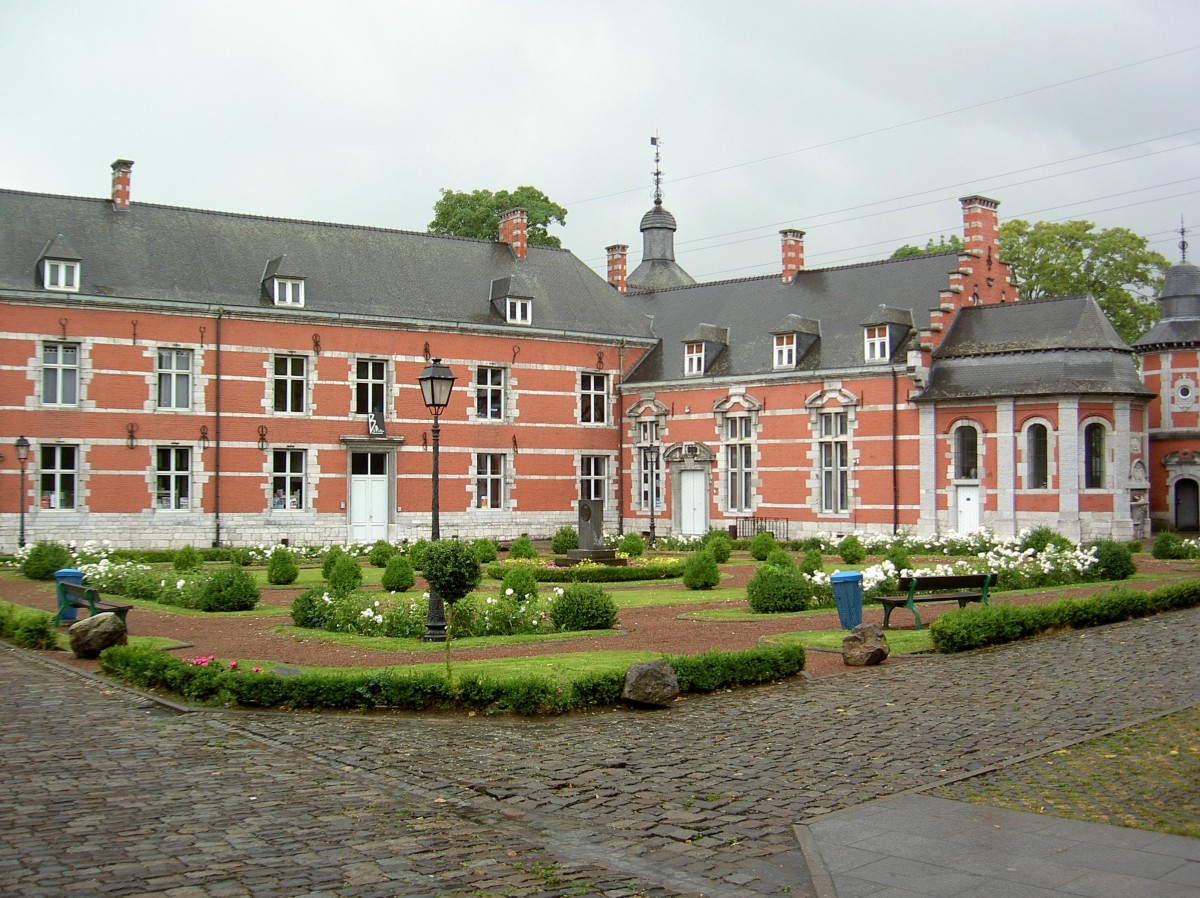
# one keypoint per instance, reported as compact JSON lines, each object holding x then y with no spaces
{"x":1093,"y":456}
{"x":966,"y":453}
{"x":1037,"y":470}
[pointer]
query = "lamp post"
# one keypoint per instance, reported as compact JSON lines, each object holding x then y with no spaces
{"x":652,"y":454}
{"x":436,"y":382}
{"x":22,"y":447}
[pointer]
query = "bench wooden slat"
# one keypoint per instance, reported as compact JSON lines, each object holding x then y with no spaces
{"x":71,"y":595}
{"x":934,"y":588}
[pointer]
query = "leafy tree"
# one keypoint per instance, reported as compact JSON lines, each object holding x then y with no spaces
{"x":1070,"y":258}
{"x":477,"y":214}
{"x":944,"y":245}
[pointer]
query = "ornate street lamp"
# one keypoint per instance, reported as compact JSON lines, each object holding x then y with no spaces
{"x":652,"y":455}
{"x":436,"y":382}
{"x":22,"y":447}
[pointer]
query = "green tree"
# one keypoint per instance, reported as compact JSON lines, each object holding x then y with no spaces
{"x":944,"y":245}
{"x":1070,"y":258}
{"x":477,"y":214}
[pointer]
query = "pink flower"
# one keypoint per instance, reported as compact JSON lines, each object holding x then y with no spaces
{"x":233,"y":665}
{"x":256,"y":670}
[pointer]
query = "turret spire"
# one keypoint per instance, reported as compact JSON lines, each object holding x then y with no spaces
{"x":658,"y":174}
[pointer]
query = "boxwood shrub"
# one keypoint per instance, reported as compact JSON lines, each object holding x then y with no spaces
{"x":775,"y":589}
{"x":584,"y":606}
{"x":594,"y":573}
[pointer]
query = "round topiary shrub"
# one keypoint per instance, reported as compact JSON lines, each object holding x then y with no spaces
{"x":700,"y":571}
{"x":812,"y":561}
{"x":416,"y":553}
{"x":187,"y":559}
{"x":44,"y":559}
{"x":761,"y":545}
{"x":451,"y":569}
{"x":398,"y":576}
{"x":632,"y":545}
{"x":1040,"y":537}
{"x":584,"y":606}
{"x":345,"y":577}
{"x":331,"y":558}
{"x":719,"y":544}
{"x":775,"y":589}
{"x":1167,"y":546}
{"x":899,"y":557}
{"x":311,"y":609}
{"x":851,"y":550}
{"x":781,"y":557}
{"x":522,"y":547}
{"x":485,"y":550}
{"x":231,"y":589}
{"x":1115,"y":561}
{"x":521,"y":580}
{"x":564,"y":540}
{"x":281,"y":567}
{"x":381,"y":552}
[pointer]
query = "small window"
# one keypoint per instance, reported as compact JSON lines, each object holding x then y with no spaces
{"x":59,"y":470}
{"x":287,"y":479}
{"x":60,"y":274}
{"x":60,"y":374}
{"x":489,"y":480}
{"x":593,"y":480}
{"x":877,"y":343}
{"x":289,"y":383}
{"x":593,"y":398}
{"x":520,"y":311}
{"x":693,"y":358}
{"x":966,"y":453}
{"x":289,"y":292}
{"x":173,"y":478}
{"x":785,"y":350}
{"x":489,"y":394}
{"x":370,"y":386}
{"x":1037,"y":469}
{"x":1093,"y":457}
{"x":175,"y":378}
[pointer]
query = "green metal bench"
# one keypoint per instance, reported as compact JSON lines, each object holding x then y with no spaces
{"x":961,"y":588}
{"x":73,"y":596}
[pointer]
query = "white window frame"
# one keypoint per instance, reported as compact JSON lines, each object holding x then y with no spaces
{"x":61,"y":475}
{"x":649,"y":466}
{"x":370,"y":386}
{"x":1095,"y":457}
{"x":518,"y":310}
{"x":61,"y":274}
{"x":785,"y":350}
{"x":876,"y":343}
{"x":739,"y":463}
{"x":693,"y":359}
{"x":64,"y":373}
{"x":593,"y":477}
{"x":593,"y":398}
{"x":289,"y":292}
{"x":833,"y":446}
{"x":966,"y":468}
{"x":288,"y":479}
{"x":288,"y":379}
{"x":489,"y":479}
{"x":174,"y":368}
{"x":1032,"y":452}
{"x":490,"y":384}
{"x":173,"y":478}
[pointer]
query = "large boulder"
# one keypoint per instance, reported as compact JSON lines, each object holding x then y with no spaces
{"x":92,"y":635}
{"x":650,"y":683}
{"x":864,"y":646}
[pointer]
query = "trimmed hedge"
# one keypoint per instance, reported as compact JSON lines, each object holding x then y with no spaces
{"x":973,"y":628}
{"x":389,"y":689}
{"x":592,"y":573}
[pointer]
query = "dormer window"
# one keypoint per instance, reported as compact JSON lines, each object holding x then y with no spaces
{"x":520,"y":311}
{"x":785,"y":350}
{"x":877,"y":343}
{"x":693,"y":358}
{"x":288,"y":292}
{"x":60,"y":274}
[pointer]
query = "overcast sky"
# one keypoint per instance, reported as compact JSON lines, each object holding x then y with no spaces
{"x":859,"y":122}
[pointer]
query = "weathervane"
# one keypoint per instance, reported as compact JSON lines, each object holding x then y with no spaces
{"x":1182,"y":241}
{"x":654,"y":142}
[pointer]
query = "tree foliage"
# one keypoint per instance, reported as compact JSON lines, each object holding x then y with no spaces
{"x":1070,"y":258}
{"x":944,"y":245}
{"x":477,"y":214}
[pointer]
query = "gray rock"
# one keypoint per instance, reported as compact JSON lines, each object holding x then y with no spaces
{"x":864,"y":646}
{"x":92,"y":635}
{"x":650,"y":683}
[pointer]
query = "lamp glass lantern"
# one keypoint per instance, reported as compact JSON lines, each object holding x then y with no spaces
{"x":437,"y":384}
{"x":22,"y":449}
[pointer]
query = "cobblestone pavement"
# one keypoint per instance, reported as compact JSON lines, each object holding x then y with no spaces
{"x":110,"y":794}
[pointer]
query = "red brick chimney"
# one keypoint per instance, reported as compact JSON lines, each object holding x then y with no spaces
{"x":792,"y":242}
{"x":513,"y":227}
{"x":985,"y":279}
{"x":617,"y":254}
{"x":120,"y":184}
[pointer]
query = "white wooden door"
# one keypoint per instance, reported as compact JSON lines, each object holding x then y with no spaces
{"x":368,"y":497}
{"x":693,"y":503}
{"x":968,"y":508}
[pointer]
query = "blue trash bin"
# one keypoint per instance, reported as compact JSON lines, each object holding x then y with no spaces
{"x":75,"y":578}
{"x":848,"y":596}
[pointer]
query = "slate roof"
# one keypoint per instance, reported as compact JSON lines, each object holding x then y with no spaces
{"x":1033,"y":348}
{"x":837,"y":299}
{"x":166,"y":254}
{"x":1180,"y":301}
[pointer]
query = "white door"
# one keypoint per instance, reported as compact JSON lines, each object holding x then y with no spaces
{"x":368,"y":496}
{"x":968,"y":508}
{"x":693,"y":503}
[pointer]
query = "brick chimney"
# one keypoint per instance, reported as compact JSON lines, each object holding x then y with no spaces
{"x":513,"y":227}
{"x":792,"y":246}
{"x":617,"y":254}
{"x":120,"y":184}
{"x":985,"y":279}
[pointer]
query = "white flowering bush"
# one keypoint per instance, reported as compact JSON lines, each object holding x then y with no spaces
{"x":506,"y":614}
{"x":397,"y":615}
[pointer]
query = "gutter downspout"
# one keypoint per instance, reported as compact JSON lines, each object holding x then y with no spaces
{"x":620,"y":440}
{"x":217,"y":441}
